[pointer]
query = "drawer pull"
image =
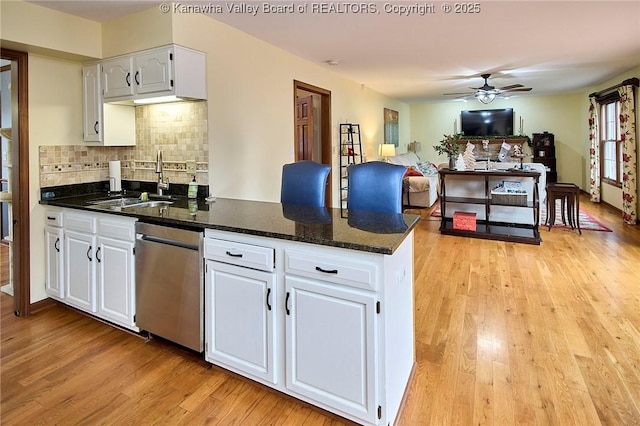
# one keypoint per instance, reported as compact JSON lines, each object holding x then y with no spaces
{"x":286,"y":304}
{"x":326,"y":271}
{"x":51,"y":218}
{"x":268,"y":297}
{"x":234,"y":254}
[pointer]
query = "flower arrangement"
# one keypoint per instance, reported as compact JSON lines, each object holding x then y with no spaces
{"x":449,"y":145}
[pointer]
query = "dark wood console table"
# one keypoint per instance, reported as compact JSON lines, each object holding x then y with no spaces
{"x":486,"y":228}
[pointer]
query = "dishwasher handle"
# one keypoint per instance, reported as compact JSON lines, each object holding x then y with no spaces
{"x":159,"y":240}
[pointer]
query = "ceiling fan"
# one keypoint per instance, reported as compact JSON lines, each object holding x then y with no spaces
{"x":487,"y":93}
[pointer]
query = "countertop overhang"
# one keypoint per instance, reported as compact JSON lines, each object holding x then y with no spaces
{"x":359,"y":230}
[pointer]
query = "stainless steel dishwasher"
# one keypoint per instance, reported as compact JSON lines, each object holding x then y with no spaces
{"x":169,"y":284}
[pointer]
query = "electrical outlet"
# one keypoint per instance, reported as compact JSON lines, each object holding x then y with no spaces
{"x":191,"y":167}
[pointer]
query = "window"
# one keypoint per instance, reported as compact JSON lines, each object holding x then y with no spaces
{"x":610,"y":143}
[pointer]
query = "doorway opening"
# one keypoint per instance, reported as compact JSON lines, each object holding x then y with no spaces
{"x":17,"y":165}
{"x":312,"y":113}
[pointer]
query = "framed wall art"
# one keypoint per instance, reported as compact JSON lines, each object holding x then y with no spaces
{"x":391,"y":127}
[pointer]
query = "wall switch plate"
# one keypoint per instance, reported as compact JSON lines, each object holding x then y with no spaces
{"x":191,"y":167}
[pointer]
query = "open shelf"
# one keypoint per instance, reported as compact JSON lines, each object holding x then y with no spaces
{"x":488,"y":229}
{"x":518,"y":233}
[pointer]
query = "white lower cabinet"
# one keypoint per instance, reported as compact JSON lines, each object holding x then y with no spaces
{"x":330,"y":326}
{"x":54,"y":246}
{"x":115,"y":278}
{"x":240,"y":303}
{"x":80,"y":271}
{"x":90,"y":263}
{"x":330,"y":345}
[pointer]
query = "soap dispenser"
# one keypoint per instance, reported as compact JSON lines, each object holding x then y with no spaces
{"x":193,"y":189}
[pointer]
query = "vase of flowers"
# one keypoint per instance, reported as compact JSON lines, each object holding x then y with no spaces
{"x":450,"y":147}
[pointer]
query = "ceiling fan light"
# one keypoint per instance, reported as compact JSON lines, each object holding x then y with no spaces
{"x":485,"y":97}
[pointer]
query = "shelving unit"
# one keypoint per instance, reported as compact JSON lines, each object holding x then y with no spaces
{"x":350,"y":153}
{"x":544,"y":151}
{"x":488,"y":229}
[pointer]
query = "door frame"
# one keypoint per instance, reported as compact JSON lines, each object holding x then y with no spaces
{"x":20,"y":183}
{"x":325,"y":129}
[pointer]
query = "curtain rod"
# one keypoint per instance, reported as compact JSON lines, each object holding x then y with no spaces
{"x":630,"y":81}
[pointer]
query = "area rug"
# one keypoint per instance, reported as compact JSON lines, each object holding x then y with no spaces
{"x":587,"y":222}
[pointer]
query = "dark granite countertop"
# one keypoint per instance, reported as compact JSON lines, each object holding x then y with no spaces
{"x":363,"y":231}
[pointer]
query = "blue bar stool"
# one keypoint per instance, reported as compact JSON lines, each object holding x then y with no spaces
{"x":375,"y":187}
{"x":304,"y":183}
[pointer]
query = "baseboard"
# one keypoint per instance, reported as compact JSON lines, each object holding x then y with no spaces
{"x":41,"y":305}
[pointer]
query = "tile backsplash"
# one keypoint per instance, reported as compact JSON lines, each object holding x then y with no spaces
{"x":178,"y":129}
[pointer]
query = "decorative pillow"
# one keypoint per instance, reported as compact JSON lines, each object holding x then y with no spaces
{"x":412,"y":171}
{"x":428,"y":168}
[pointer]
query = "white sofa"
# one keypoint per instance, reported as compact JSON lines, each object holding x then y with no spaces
{"x":459,"y":186}
{"x":423,"y":190}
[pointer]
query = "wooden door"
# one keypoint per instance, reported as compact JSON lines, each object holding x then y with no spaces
{"x":304,"y":129}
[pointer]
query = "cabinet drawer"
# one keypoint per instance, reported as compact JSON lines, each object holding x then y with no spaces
{"x":118,"y":229}
{"x":330,"y":268}
{"x":53,"y":218}
{"x":80,"y":222}
{"x":240,"y":254}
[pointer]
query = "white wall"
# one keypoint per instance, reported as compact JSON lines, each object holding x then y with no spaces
{"x":34,"y":28}
{"x":55,"y":118}
{"x":138,"y":31}
{"x":251,"y":110}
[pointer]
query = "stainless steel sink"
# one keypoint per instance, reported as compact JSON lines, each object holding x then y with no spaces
{"x":116,"y":202}
{"x":126,"y":202}
{"x":149,"y":204}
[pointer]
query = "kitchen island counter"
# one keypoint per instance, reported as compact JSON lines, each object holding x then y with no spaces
{"x":363,"y":231}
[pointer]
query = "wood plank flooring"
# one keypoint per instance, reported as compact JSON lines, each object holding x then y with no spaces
{"x":505,"y":334}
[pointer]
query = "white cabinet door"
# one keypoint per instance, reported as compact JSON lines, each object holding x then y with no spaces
{"x":154,"y":71}
{"x":240,"y":304}
{"x":115,"y":279}
{"x":53,"y":262}
{"x":117,"y":78}
{"x":331,"y":345}
{"x":80,"y":271}
{"x":92,"y":103}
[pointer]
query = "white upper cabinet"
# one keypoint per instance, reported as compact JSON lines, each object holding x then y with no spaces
{"x":111,"y":87}
{"x":109,"y":124}
{"x":154,"y":72}
{"x":92,"y":103}
{"x":164,"y":71}
{"x":117,"y":77}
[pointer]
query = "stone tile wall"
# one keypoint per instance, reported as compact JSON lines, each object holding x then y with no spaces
{"x":179,"y":130}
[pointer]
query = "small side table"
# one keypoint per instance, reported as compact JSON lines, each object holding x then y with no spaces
{"x":405,"y":189}
{"x":568,"y":193}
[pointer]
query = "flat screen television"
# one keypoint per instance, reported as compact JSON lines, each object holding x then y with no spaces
{"x":487,"y":122}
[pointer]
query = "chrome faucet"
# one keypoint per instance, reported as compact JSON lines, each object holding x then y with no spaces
{"x":161,"y":185}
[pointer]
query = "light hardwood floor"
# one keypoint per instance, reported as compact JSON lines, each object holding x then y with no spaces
{"x":505,"y":334}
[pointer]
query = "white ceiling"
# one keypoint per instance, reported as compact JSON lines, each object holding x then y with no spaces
{"x":551,"y":46}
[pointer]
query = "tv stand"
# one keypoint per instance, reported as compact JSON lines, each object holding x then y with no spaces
{"x":486,"y":228}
